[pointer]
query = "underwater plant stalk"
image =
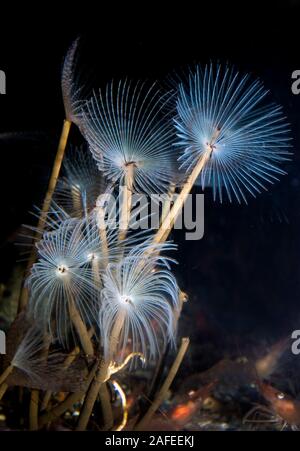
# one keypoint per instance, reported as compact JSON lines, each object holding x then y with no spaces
{"x":127,"y":201}
{"x":77,"y":204}
{"x":3,"y":389}
{"x":80,"y":327}
{"x":168,"y":222}
{"x":103,"y":392}
{"x":162,"y":361}
{"x":5,"y":374}
{"x":161,"y":395}
{"x":103,"y":236}
{"x":47,"y":201}
{"x":33,"y":410}
{"x":55,"y":172}
{"x":68,"y":403}
{"x":102,"y":375}
{"x":183,"y":298}
{"x":96,"y":273}
{"x":107,"y":412}
{"x":46,"y":400}
{"x":91,"y":397}
{"x":67,"y":363}
{"x":168,"y":201}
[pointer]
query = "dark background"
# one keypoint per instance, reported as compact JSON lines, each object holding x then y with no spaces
{"x":243,"y":276}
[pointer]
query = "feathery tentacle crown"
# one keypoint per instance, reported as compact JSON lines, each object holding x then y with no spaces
{"x":27,"y":356}
{"x":69,"y":269}
{"x":125,"y":127}
{"x":225,"y":116}
{"x":142,"y":294}
{"x":72,"y":85}
{"x":39,"y":369}
{"x":63,"y":275}
{"x":77,"y":191}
